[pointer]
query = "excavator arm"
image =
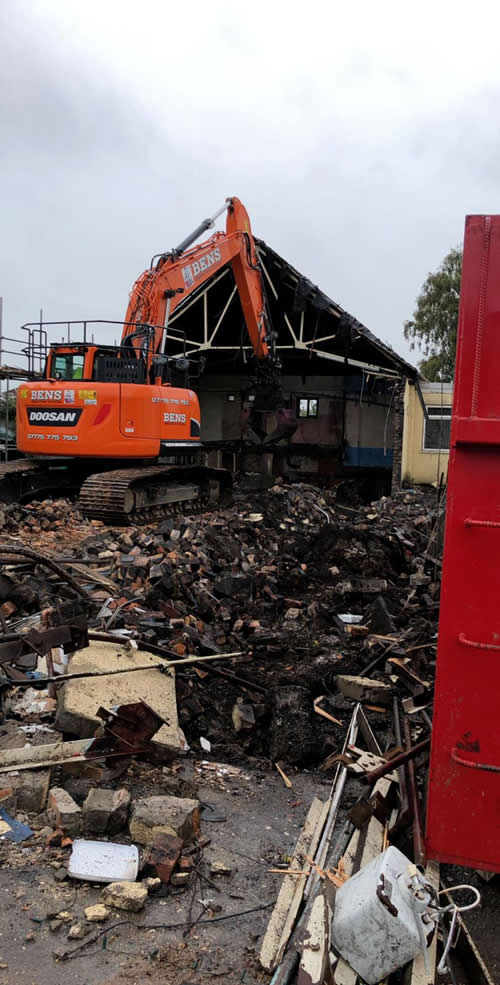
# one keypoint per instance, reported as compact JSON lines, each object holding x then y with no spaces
{"x":173,"y":276}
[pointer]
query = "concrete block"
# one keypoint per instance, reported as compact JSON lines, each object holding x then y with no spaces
{"x":79,"y":700}
{"x":105,"y":811}
{"x":129,"y":896}
{"x":364,"y":689}
{"x":67,"y":814}
{"x":31,"y":788}
{"x":153,"y":816}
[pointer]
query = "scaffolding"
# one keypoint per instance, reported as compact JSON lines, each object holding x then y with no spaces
{"x":22,"y":358}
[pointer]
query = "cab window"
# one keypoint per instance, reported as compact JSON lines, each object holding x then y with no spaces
{"x":68,"y":366}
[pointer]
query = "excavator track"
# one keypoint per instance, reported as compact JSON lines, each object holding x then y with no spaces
{"x":121,"y":496}
{"x":140,"y":495}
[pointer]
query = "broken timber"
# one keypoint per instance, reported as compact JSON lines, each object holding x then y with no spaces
{"x":292,"y":890}
{"x":315,"y":968}
{"x":419,"y":974}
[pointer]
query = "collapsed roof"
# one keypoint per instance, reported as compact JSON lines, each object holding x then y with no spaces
{"x":312,"y":330}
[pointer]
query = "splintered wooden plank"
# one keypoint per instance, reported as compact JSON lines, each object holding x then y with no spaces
{"x":419,"y":976}
{"x":314,"y":968}
{"x":290,"y":895}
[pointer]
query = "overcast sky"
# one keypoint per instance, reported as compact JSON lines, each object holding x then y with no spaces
{"x":358,"y":136}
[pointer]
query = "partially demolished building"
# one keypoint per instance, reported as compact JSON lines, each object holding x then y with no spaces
{"x":341,"y":384}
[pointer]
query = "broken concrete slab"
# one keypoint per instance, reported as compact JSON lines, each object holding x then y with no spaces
{"x":153,"y":816}
{"x":79,"y":700}
{"x":31,"y":757}
{"x":105,"y":811}
{"x":129,"y":896}
{"x":364,"y":689}
{"x":66,"y":812}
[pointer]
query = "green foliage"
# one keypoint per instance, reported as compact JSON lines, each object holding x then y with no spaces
{"x":431,"y":368}
{"x":433,"y":328}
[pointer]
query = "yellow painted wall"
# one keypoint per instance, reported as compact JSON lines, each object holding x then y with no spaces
{"x":419,"y":466}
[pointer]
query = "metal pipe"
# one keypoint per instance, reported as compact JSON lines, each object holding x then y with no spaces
{"x":41,"y":329}
{"x":60,"y":678}
{"x":335,"y":798}
{"x":7,"y":420}
{"x":418,"y":836}
{"x":165,"y":330}
{"x":164,"y":652}
{"x":206,"y":224}
{"x":403,"y":790}
{"x":399,"y":760}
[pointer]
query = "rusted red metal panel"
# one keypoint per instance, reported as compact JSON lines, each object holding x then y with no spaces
{"x":463,"y":815}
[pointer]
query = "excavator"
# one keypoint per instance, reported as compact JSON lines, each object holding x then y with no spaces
{"x":111,"y":421}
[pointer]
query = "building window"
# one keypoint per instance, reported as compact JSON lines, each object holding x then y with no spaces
{"x":307,"y":407}
{"x":437,"y":429}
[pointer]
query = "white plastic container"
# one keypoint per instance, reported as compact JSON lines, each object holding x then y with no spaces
{"x":103,"y":861}
{"x":375,"y":921}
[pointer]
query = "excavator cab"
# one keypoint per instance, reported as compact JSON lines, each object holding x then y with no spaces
{"x":100,"y":364}
{"x":66,"y":365}
{"x":133,"y":361}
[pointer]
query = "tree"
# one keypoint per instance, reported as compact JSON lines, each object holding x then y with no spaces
{"x":433,"y":328}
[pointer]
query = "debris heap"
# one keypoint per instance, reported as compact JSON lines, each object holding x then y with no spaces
{"x":305,"y":588}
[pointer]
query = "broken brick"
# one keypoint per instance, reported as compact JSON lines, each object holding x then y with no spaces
{"x":160,"y":859}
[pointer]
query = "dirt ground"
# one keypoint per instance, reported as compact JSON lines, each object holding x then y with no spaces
{"x":258,"y":822}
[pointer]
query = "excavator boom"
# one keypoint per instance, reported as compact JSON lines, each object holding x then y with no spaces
{"x":159,"y":291}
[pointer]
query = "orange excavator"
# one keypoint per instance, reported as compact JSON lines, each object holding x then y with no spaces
{"x":109,"y":421}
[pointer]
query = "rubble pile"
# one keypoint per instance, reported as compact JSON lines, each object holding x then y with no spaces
{"x":48,"y":523}
{"x":303,"y":588}
{"x":157,"y":682}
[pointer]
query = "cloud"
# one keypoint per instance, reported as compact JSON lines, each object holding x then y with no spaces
{"x":357,"y":138}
